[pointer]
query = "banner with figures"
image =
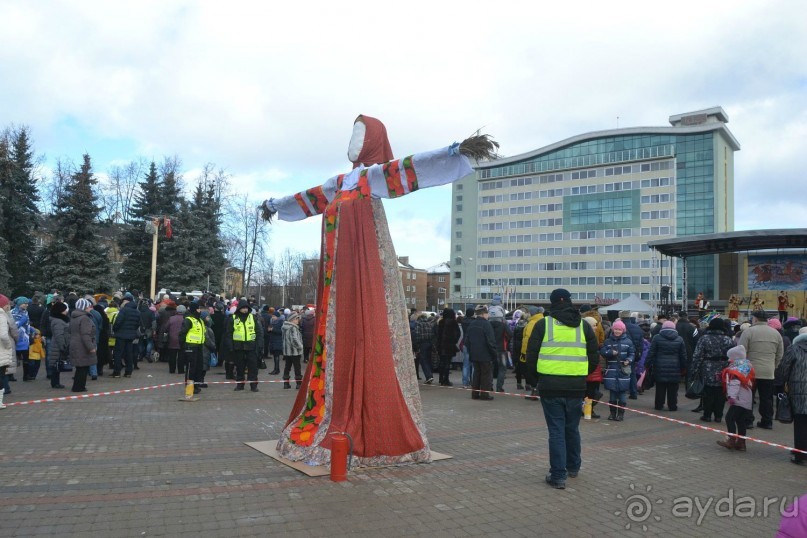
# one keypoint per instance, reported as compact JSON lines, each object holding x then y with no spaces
{"x":777,"y":272}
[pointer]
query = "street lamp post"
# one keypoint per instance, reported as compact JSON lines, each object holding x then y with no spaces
{"x":225,"y":277}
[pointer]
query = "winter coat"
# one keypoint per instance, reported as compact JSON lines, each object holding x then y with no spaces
{"x":743,"y":397}
{"x":640,"y":365}
{"x":112,"y":312}
{"x":82,"y":339}
{"x":98,"y":323}
{"x":710,"y":358}
{"x":636,"y":335}
{"x":793,"y":371}
{"x":35,"y":312}
{"x":501,"y":333}
{"x":60,"y":341}
{"x":147,"y":320}
{"x":550,"y":386}
{"x":172,"y":327}
{"x":276,"y":336}
{"x":127,"y":322}
{"x":764,"y":348}
{"x":292,"y":340}
{"x":7,"y":351}
{"x":687,"y":331}
{"x":308,"y":326}
{"x":617,"y":374}
{"x":667,"y":357}
{"x":23,"y":322}
{"x":449,"y":336}
{"x":518,"y":338}
{"x":480,"y":341}
{"x":425,"y":332}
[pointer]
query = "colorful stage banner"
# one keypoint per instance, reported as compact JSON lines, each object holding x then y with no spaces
{"x":777,"y":272}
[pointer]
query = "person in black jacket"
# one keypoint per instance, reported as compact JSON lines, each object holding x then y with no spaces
{"x":482,"y":351}
{"x":561,"y":394}
{"x":125,"y":329}
{"x":666,"y":362}
{"x":243,"y":338}
{"x":449,"y":336}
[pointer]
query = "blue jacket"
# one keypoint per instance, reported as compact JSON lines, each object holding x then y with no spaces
{"x":24,"y":326}
{"x":127,"y":322}
{"x":623,"y":345}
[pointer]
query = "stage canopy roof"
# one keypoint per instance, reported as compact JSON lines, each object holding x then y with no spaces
{"x":700,"y":245}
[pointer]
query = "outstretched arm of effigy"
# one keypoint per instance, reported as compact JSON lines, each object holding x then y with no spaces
{"x":387,"y":180}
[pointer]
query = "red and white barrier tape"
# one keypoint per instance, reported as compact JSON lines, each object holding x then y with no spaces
{"x":661,"y":417}
{"x":92,"y":395}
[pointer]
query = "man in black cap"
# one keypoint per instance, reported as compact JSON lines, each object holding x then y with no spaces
{"x":561,"y":352}
{"x":243,"y":337}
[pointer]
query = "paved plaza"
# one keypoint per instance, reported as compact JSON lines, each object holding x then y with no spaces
{"x":146,"y":464}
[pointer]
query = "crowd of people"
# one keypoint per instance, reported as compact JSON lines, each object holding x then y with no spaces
{"x":735,"y":369}
{"x":748,"y":366}
{"x":96,"y":333}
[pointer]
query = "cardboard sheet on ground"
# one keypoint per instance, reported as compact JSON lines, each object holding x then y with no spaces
{"x":270,"y":449}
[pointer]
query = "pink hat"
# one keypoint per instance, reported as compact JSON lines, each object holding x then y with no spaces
{"x":3,"y":301}
{"x":618,"y":324}
{"x":774,"y":323}
{"x":668,"y":325}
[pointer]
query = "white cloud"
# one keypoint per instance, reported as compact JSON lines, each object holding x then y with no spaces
{"x":269,"y":91}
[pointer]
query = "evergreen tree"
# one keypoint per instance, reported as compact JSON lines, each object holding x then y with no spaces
{"x":77,"y":258}
{"x":135,"y":243}
{"x":19,"y":209}
{"x":5,"y":171}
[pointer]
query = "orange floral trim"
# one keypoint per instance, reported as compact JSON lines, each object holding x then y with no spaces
{"x":392,"y":174}
{"x":317,"y":198}
{"x":302,"y":204}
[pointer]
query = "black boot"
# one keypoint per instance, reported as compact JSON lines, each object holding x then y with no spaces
{"x":593,"y":414}
{"x":286,"y":384}
{"x":612,"y":412}
{"x":620,"y":413}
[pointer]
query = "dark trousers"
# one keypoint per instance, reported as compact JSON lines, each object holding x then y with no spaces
{"x":33,"y":368}
{"x":306,"y":354}
{"x":171,"y":356}
{"x":737,"y":418}
{"x":669,"y":392}
{"x":482,"y":380}
{"x":800,"y":436}
{"x":292,"y":360}
{"x":123,"y":356}
{"x":445,"y":368}
{"x":22,"y":356}
{"x":713,"y":402}
{"x":763,"y":390}
{"x":192,"y":356}
{"x":55,"y":375}
{"x":425,"y":356}
{"x":245,"y":361}
{"x":562,"y":417}
{"x":80,"y":378}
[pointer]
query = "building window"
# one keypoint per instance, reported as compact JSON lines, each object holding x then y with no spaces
{"x":459,"y":207}
{"x":457,"y":248}
{"x":413,"y":289}
{"x":441,"y":279}
{"x":458,"y":221}
{"x":407,"y":288}
{"x":457,"y":274}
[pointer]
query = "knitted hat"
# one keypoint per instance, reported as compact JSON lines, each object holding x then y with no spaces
{"x":774,"y":323}
{"x":716,"y":324}
{"x":759,"y":314}
{"x":737,"y":352}
{"x":3,"y":300}
{"x":286,"y":312}
{"x":58,"y":308}
{"x":532,"y":310}
{"x":585,"y":307}
{"x":293,"y":316}
{"x":181,"y":309}
{"x":22,"y":300}
{"x":559,"y":295}
{"x":618,"y":324}
{"x":591,"y":321}
{"x":91,"y":299}
{"x":669,"y":325}
{"x":83,"y":304}
{"x":193,"y":307}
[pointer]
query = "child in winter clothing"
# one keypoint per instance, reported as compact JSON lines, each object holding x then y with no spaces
{"x":35,"y":355}
{"x":738,"y":380}
{"x":292,"y":349}
{"x":619,"y":353}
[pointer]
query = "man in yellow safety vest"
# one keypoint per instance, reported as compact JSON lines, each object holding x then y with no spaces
{"x":192,"y":337}
{"x":561,"y":352}
{"x":243,"y":337}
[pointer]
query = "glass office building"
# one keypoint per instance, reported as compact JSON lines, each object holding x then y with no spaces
{"x":579,"y":213}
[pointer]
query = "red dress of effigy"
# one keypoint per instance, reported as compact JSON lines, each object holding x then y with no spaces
{"x":360,"y":379}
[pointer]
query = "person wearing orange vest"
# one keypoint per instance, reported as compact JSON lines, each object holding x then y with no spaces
{"x":561,"y":351}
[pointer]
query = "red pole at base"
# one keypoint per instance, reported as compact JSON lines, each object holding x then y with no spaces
{"x":339,"y":450}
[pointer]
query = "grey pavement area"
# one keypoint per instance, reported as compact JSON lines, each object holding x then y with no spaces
{"x":146,"y":464}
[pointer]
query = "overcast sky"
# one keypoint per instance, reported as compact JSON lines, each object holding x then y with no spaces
{"x":269,"y":91}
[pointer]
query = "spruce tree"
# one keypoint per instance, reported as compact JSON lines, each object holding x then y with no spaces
{"x":135,"y":243}
{"x":20,"y":213}
{"x":5,"y":171}
{"x":77,"y":257}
